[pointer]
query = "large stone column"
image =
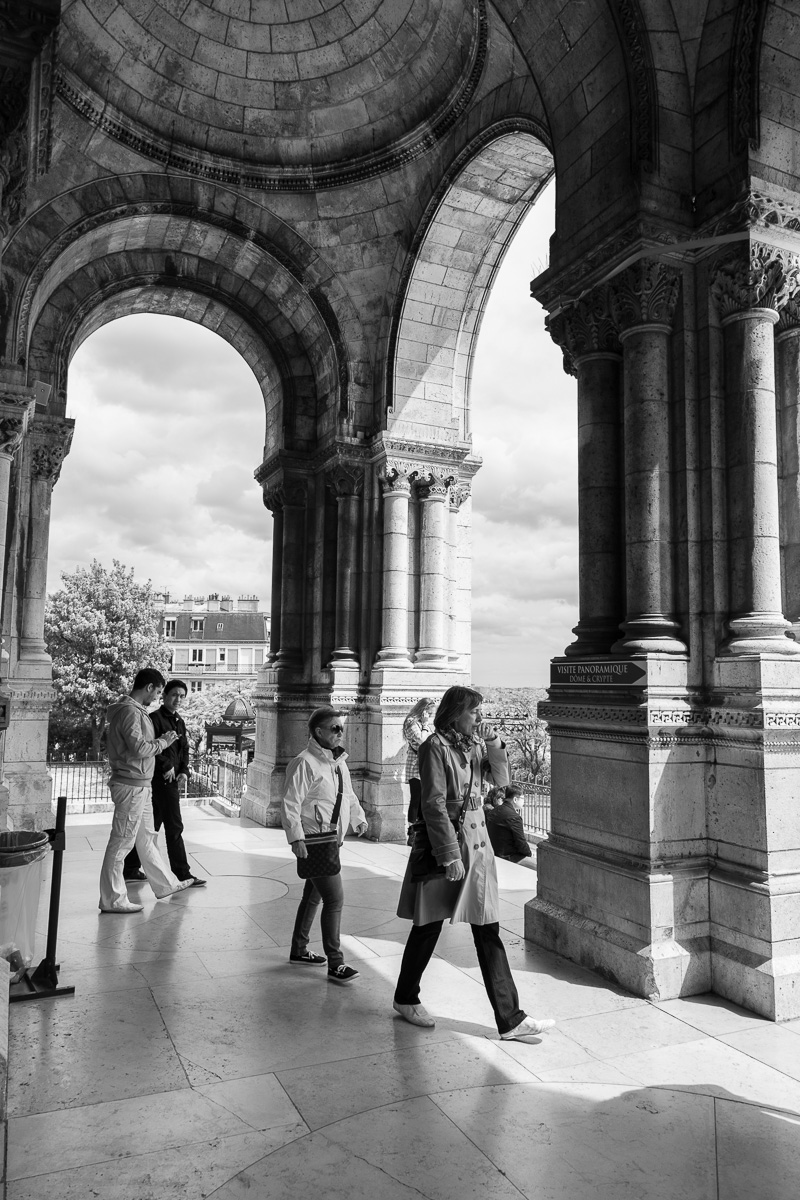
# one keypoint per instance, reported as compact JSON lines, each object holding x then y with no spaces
{"x":748,"y":295}
{"x":294,"y":498}
{"x":396,"y":488}
{"x":29,"y":783}
{"x":347,"y":484}
{"x":433,"y":491}
{"x":275,"y":503}
{"x":51,"y":438}
{"x":787,"y":381}
{"x":643,"y":300}
{"x":589,"y":338}
{"x":16,"y":407}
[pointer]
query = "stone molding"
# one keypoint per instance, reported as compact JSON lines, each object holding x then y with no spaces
{"x":711,"y":718}
{"x":641,"y":83}
{"x":754,"y":276}
{"x":307,"y":177}
{"x":51,"y":438}
{"x":743,"y":108}
{"x":755,"y":210}
{"x":645,"y":293}
{"x":789,"y":319}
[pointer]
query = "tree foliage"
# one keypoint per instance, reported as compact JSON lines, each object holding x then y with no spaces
{"x":208,"y":705}
{"x":101,"y":627}
{"x":513,"y":711}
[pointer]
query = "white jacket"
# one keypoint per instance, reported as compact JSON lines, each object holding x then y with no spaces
{"x":312,"y":783}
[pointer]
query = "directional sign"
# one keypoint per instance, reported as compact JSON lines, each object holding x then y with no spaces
{"x":606,"y":673}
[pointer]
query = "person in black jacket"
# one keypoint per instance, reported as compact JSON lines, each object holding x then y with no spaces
{"x":171,"y":765}
{"x":504,"y":826}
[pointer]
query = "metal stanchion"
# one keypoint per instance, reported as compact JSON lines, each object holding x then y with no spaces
{"x":43,"y":982}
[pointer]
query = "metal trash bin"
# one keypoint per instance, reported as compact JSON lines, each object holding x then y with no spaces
{"x":22,"y":857}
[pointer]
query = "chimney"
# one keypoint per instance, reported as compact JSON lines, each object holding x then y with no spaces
{"x":247,"y":604}
{"x":213,"y":602}
{"x":226,"y":604}
{"x":188,"y":603}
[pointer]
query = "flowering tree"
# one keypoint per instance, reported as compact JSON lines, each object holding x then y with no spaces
{"x":101,"y":628}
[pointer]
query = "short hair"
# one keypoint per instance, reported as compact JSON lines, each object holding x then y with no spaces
{"x":454,"y":702}
{"x":175,"y":683}
{"x":146,"y":677}
{"x":320,"y":715}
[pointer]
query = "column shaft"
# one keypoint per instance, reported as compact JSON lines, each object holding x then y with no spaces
{"x":290,"y":653}
{"x":787,"y":381}
{"x":757,"y":623}
{"x":277,"y":582}
{"x":51,"y":440}
{"x":346,"y":578}
{"x":648,"y":625}
{"x":600,"y":527}
{"x":396,"y":492}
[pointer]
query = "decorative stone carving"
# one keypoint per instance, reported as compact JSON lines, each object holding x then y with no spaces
{"x":760,"y":276}
{"x":15,"y":410}
{"x":345,"y":479}
{"x":642,"y":83}
{"x":789,"y":320}
{"x":397,"y":476}
{"x":51,"y":438}
{"x":644,"y":294}
{"x":434,"y":485}
{"x":743,"y":76}
{"x":459,"y":492}
{"x":586,"y":327}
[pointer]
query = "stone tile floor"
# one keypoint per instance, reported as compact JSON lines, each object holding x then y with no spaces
{"x":193,"y":1061}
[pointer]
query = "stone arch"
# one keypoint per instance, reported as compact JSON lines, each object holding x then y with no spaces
{"x":271,"y":318}
{"x":211,"y":216}
{"x":464,"y":234}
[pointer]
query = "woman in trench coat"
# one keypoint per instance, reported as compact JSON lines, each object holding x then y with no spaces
{"x":462,"y":886}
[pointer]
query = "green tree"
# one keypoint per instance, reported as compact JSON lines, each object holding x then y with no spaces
{"x":101,"y":627}
{"x":208,"y":705}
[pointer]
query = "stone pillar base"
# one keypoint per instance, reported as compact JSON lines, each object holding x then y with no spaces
{"x":656,"y":971}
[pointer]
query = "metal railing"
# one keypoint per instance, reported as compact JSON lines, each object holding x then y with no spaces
{"x":535,"y":808}
{"x":84,"y":782}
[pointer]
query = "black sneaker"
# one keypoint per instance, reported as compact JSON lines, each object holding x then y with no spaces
{"x":307,"y":959}
{"x":342,"y":974}
{"x":134,"y":876}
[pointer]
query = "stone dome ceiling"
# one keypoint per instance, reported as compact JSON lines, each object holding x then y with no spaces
{"x":285,"y":85}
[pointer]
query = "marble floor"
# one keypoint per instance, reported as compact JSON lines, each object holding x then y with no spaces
{"x":193,"y":1061}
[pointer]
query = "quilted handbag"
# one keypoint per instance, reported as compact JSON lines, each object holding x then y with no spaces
{"x":322,"y":849}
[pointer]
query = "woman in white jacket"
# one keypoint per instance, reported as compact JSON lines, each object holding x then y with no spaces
{"x":313,"y":781}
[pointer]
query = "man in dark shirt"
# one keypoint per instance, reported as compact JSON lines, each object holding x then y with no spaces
{"x":504,"y":826}
{"x":171,"y":765}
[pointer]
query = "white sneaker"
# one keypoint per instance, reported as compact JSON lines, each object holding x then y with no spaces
{"x":526,"y":1028}
{"x":415,"y":1014}
{"x":183,"y":884}
{"x":124,"y":906}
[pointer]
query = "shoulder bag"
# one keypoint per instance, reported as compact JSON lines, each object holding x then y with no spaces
{"x":421,"y":861}
{"x":322,"y":849}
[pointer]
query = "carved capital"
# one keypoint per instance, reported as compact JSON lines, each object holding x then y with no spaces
{"x":756,"y":276}
{"x":434,"y":484}
{"x":459,"y":492}
{"x":51,"y":438}
{"x":586,"y":327}
{"x":645,"y":293}
{"x":290,"y":493}
{"x":396,"y":476}
{"x":789,"y":320}
{"x":345,"y":479}
{"x":16,"y":405}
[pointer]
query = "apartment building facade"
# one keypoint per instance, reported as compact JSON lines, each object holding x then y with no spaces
{"x":215,"y":640}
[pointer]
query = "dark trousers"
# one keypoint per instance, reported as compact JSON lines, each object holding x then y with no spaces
{"x":497,"y":977}
{"x":166,"y":812}
{"x":328,"y":891}
{"x":415,"y":802}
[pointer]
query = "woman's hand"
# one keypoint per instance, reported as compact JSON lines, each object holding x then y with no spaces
{"x":299,"y":849}
{"x":454,"y":871}
{"x":487,"y":731}
{"x":361,"y":829}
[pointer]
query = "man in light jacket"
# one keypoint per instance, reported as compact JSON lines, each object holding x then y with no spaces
{"x":132,"y":748}
{"x":313,"y":781}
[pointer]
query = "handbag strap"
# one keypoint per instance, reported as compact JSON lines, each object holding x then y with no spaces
{"x":337,"y":806}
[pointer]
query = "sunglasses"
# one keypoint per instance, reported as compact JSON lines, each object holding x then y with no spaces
{"x":334,"y":729}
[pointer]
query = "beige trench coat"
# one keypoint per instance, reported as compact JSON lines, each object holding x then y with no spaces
{"x":446,"y":774}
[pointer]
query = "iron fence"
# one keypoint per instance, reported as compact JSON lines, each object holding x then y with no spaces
{"x":85,"y":782}
{"x":535,"y":808}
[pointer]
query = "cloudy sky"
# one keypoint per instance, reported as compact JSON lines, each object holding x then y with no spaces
{"x":169,"y":427}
